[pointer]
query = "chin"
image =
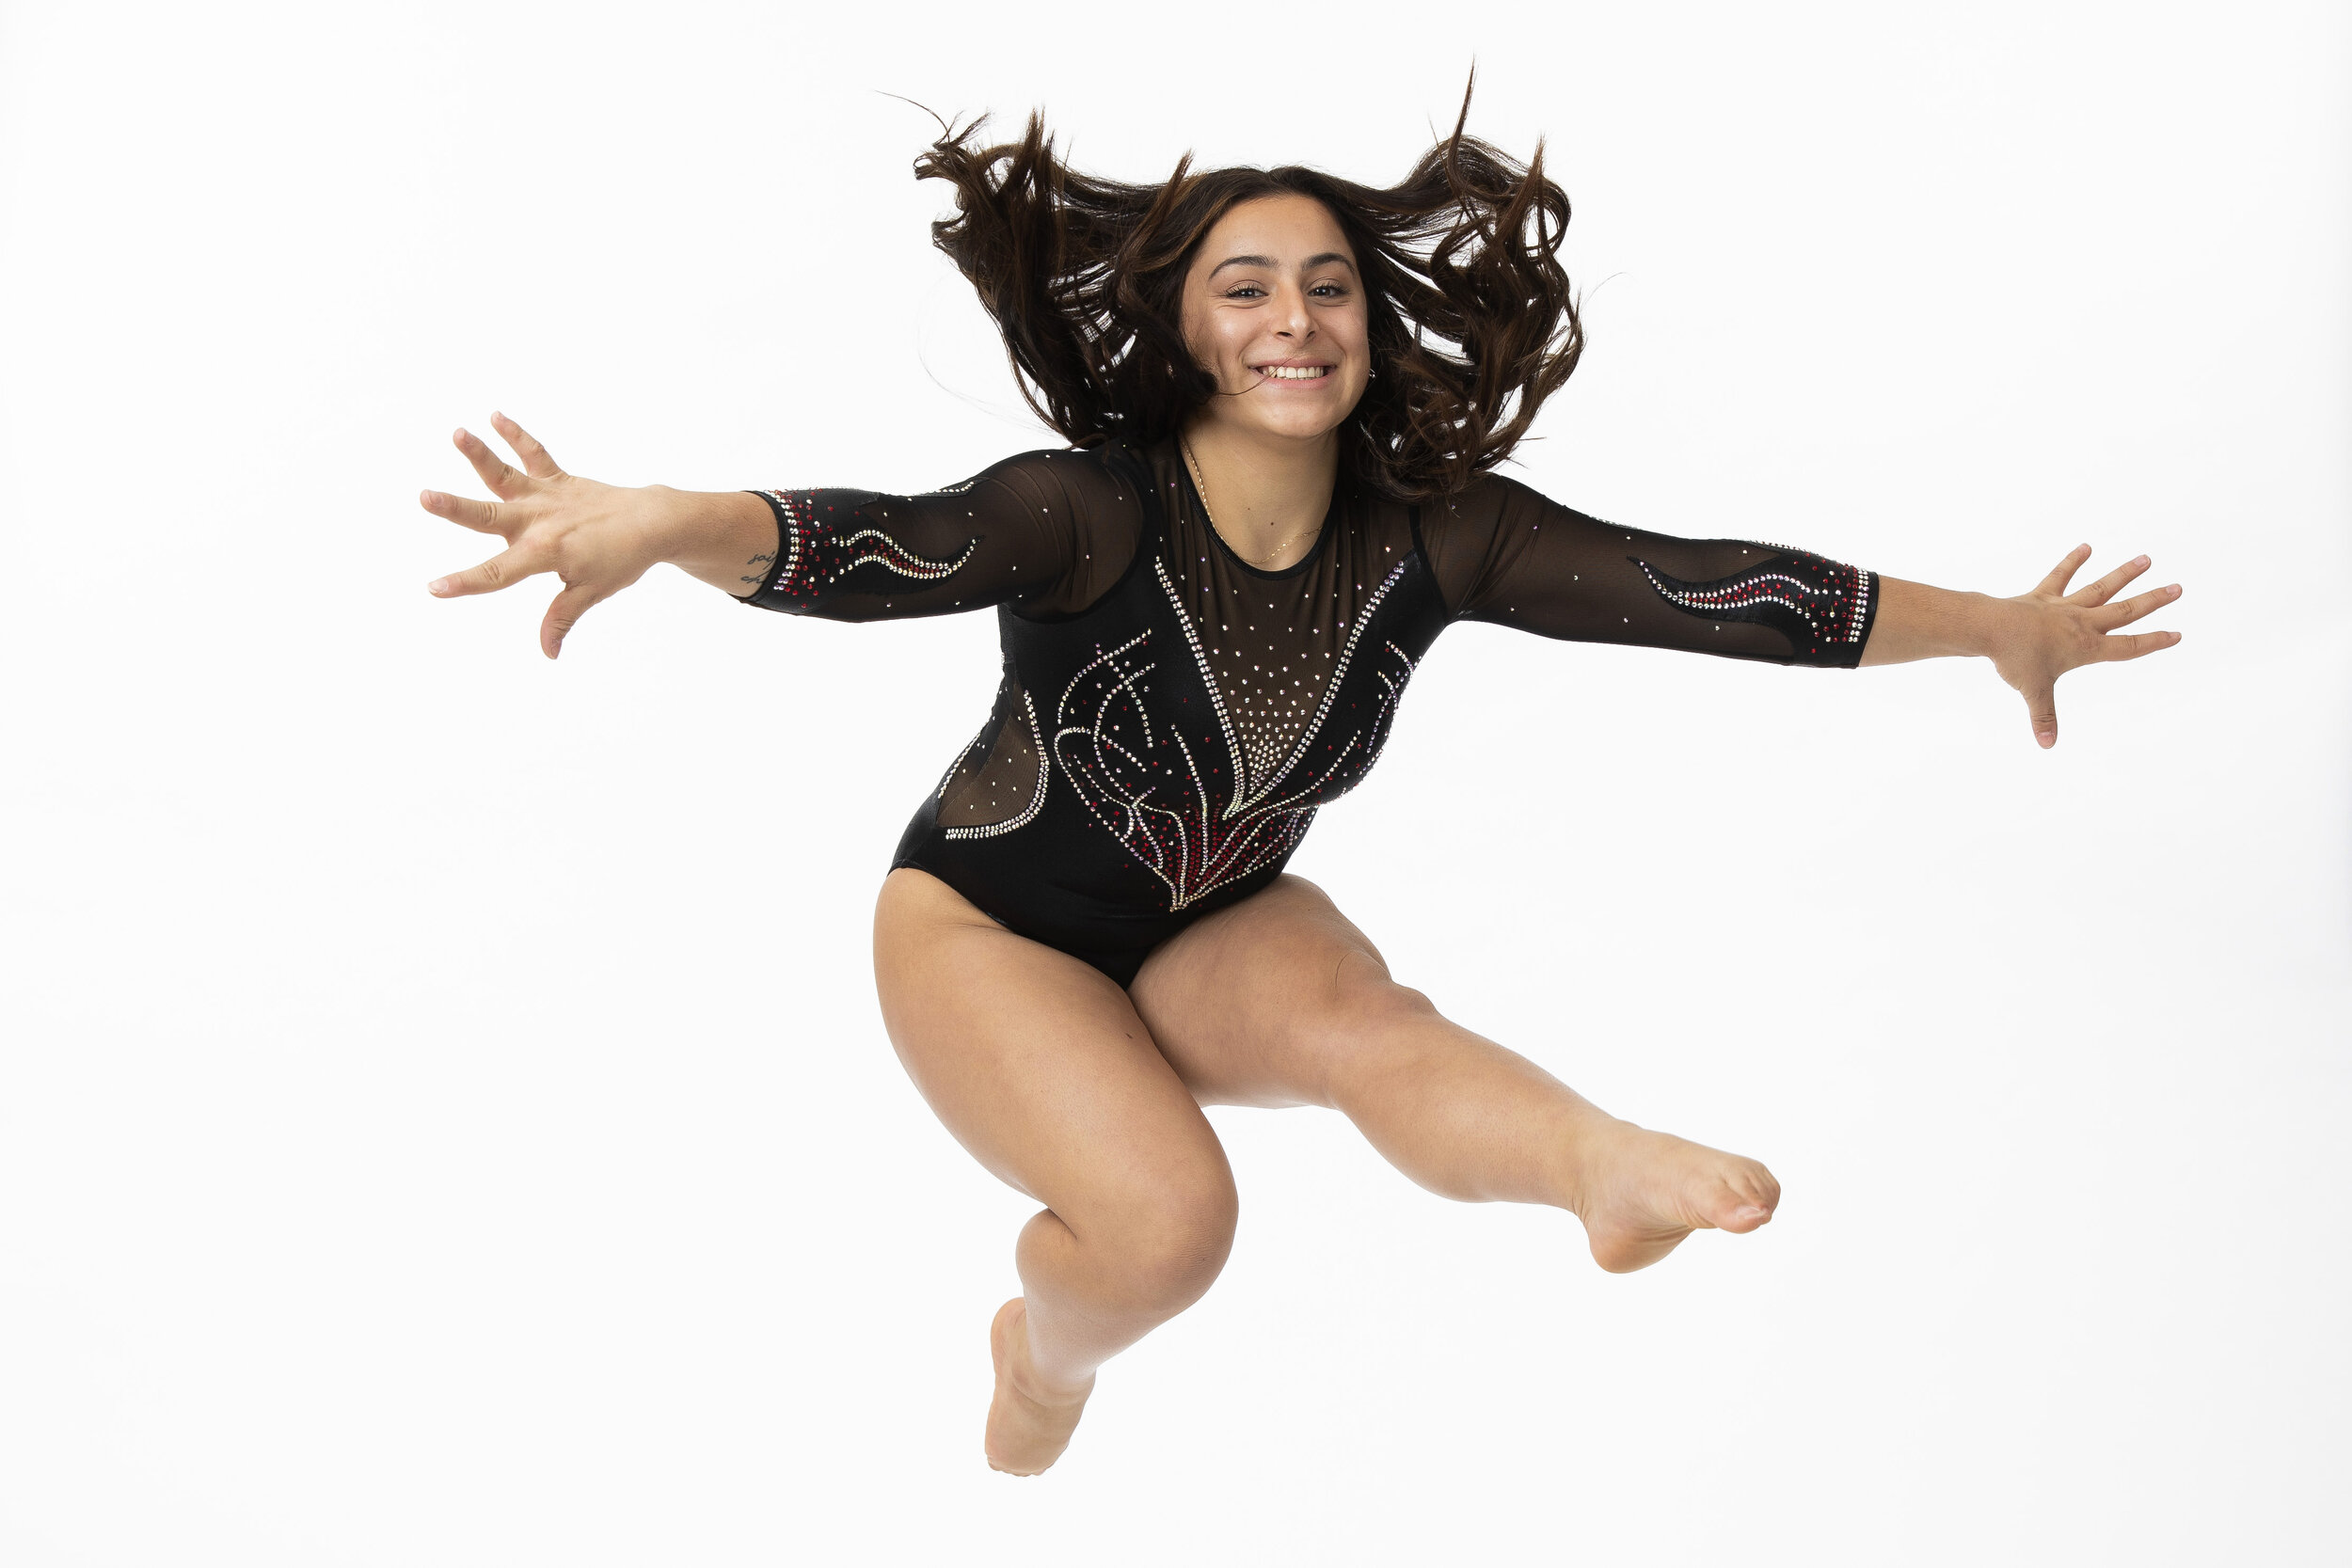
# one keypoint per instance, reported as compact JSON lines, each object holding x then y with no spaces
{"x":1296,"y":424}
{"x":1295,"y":430}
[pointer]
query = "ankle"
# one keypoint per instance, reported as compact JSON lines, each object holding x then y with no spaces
{"x":1032,"y":1384}
{"x":1037,"y":1389}
{"x":1590,"y":1157}
{"x":1052,"y":1396}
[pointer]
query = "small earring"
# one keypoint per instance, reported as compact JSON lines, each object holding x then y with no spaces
{"x":1371,"y":376}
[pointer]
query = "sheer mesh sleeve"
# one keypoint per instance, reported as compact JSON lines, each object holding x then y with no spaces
{"x":1047,"y":530}
{"x":1500,"y":552}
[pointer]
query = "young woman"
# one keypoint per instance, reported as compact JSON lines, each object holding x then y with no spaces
{"x":1286,"y":395}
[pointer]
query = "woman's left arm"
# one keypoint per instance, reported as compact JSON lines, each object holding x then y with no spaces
{"x":1505,"y":554}
{"x":2032,"y":640}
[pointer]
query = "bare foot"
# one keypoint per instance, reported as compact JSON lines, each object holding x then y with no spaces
{"x":1028,"y":1423}
{"x":1644,"y":1191}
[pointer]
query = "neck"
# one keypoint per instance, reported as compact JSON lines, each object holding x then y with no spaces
{"x":1268,"y":494}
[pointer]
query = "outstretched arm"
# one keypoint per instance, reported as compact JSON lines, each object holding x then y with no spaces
{"x":2032,"y":640}
{"x":1504,"y":553}
{"x":597,"y":538}
{"x":1023,"y":530}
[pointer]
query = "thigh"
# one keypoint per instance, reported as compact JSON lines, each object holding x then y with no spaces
{"x":1269,"y":1002}
{"x":1038,"y":1065}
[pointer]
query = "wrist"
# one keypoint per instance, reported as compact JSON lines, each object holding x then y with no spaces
{"x":1982,"y":625}
{"x":670,"y":519}
{"x":726,"y":538}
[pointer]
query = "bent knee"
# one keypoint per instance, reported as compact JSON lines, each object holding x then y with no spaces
{"x":1165,"y":1250}
{"x":1349,"y":1029}
{"x":1363,"y":1002}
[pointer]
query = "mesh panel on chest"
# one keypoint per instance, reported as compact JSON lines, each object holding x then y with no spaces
{"x":1273,"y":644}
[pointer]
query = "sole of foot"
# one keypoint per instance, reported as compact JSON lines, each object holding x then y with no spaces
{"x":1649,"y":1190}
{"x":1027,"y":1429}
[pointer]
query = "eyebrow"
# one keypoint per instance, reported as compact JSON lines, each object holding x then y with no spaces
{"x":1267,"y":261}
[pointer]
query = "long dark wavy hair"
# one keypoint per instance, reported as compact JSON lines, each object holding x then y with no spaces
{"x":1473,"y":321}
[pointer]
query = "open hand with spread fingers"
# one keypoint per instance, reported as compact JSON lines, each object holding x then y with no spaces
{"x":2033,"y":639}
{"x":597,"y":538}
{"x":2053,"y":631}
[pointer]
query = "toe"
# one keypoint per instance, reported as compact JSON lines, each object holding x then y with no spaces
{"x":1742,"y":1204}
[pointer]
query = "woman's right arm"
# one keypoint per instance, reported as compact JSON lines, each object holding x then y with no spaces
{"x":1013,"y":531}
{"x":597,"y":538}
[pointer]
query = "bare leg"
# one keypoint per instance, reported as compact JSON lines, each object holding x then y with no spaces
{"x":1040,"y":1066}
{"x":1279,"y":1001}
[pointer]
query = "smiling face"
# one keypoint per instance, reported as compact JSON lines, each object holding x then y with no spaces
{"x":1274,"y":309}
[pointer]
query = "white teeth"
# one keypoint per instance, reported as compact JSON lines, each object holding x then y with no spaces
{"x":1294,"y":373}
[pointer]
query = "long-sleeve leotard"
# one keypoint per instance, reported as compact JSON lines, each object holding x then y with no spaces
{"x":1504,"y":553}
{"x":1049,"y":531}
{"x":1046,"y":531}
{"x":1170,"y":717}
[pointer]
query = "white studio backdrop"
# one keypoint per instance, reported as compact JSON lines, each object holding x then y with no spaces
{"x":443,"y":1114}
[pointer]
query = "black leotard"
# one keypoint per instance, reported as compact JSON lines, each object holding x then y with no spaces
{"x":1171,"y":716}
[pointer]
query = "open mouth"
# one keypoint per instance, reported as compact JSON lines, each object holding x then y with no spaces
{"x":1292,"y":373}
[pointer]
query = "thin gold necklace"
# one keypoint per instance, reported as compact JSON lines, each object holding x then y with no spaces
{"x":1200,"y":488}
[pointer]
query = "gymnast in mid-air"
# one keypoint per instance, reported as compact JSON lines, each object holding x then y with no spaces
{"x":1285,"y":397}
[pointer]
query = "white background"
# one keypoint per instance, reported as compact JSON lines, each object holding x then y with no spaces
{"x":443,"y":1114}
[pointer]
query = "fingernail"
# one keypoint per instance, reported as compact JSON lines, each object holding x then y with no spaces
{"x":438,"y":585}
{"x":2141,"y":561}
{"x":2174,"y":590}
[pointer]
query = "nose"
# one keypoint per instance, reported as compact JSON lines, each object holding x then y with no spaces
{"x":1298,"y":322}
